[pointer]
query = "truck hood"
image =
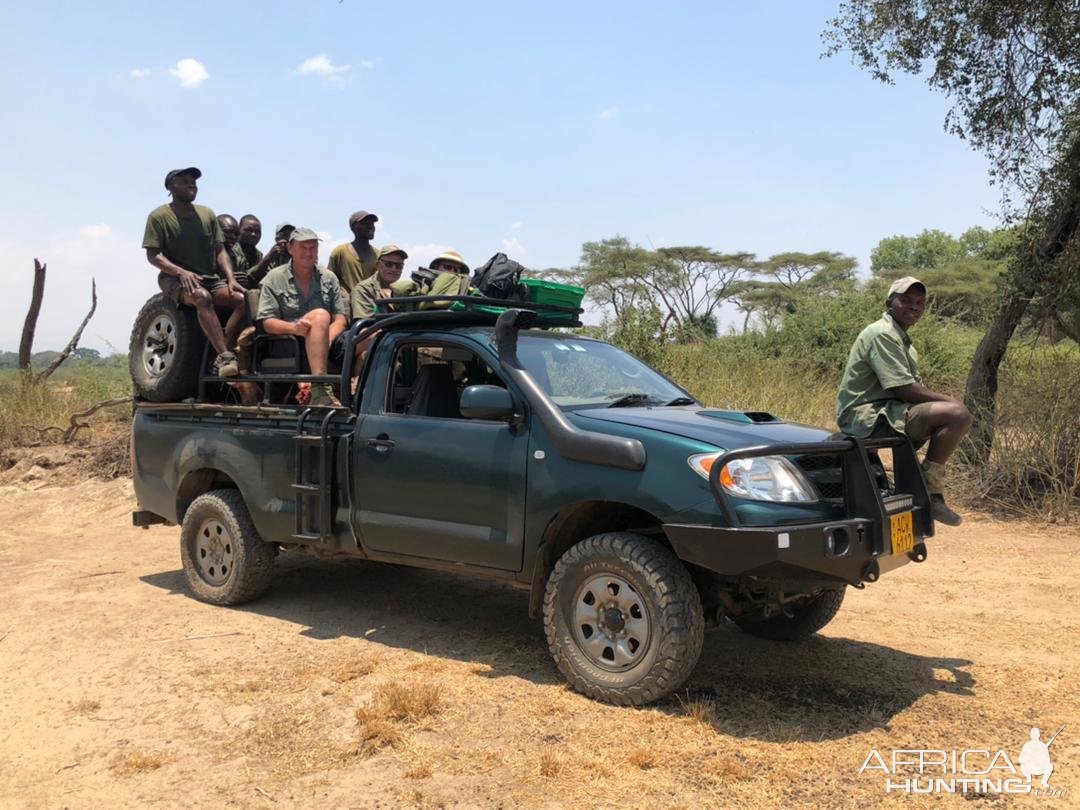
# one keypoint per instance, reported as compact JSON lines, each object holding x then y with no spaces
{"x":730,"y":430}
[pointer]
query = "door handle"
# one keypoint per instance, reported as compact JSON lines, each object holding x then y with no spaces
{"x":382,"y":443}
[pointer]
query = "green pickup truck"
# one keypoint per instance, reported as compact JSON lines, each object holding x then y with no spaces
{"x":487,"y":442}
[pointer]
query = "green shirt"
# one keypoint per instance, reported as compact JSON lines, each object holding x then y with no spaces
{"x":366,"y":293}
{"x":447,"y":283}
{"x":243,"y":259}
{"x":881,"y":358}
{"x":347,"y":265}
{"x":190,"y":242}
{"x":280,"y":296}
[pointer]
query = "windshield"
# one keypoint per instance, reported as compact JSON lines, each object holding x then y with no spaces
{"x":584,"y":373}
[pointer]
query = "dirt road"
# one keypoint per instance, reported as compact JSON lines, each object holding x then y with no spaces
{"x":358,"y":685}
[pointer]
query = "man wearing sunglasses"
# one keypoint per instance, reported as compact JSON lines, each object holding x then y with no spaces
{"x":385,"y":282}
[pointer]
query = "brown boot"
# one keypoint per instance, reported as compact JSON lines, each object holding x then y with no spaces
{"x":934,"y":473}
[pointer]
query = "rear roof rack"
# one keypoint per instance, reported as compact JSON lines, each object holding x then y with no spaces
{"x":470,"y":310}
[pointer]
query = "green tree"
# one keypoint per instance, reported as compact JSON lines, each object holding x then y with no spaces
{"x":1011,"y":71}
{"x":785,"y":280}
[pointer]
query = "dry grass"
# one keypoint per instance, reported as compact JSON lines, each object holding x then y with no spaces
{"x":352,"y":669}
{"x":136,"y":762}
{"x":643,"y":758}
{"x":420,"y":771}
{"x":403,"y":702}
{"x":700,"y":710}
{"x":376,"y":734}
{"x":550,"y":765}
{"x":86,"y":707}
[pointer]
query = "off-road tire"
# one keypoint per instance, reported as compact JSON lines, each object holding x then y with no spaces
{"x":222,"y":516}
{"x":165,"y":352}
{"x":808,"y":618}
{"x":667,"y":596}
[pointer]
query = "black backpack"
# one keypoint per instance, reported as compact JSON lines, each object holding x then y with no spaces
{"x":500,"y":277}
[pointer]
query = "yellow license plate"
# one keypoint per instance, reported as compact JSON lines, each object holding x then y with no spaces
{"x":903,"y":533}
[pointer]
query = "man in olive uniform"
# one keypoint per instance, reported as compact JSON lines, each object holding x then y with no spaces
{"x":385,"y":282}
{"x":452,"y":278}
{"x":302,"y":299}
{"x":184,"y":242}
{"x":246,"y":254}
{"x":881,"y":392}
{"x":275,"y":256}
{"x":355,"y":261}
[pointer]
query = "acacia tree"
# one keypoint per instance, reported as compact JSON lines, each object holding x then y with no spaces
{"x":1011,"y":69}
{"x":685,"y":284}
{"x":785,"y":279}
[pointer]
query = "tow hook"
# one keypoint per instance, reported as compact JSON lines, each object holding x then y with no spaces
{"x":872,"y":572}
{"x":918,"y":554}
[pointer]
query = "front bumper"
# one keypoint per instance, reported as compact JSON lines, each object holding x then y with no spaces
{"x":835,"y":551}
{"x":855,"y":548}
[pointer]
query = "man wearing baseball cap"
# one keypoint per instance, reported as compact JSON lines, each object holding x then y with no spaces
{"x":184,"y":242}
{"x":276,"y":256}
{"x":302,"y":299}
{"x":355,"y":261}
{"x":386,"y":282}
{"x":881,"y":392}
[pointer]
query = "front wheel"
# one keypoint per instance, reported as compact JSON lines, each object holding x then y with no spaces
{"x":806,"y":618}
{"x":225,"y":560}
{"x":623,"y":619}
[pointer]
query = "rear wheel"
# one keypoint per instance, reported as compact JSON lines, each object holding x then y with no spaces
{"x":225,"y":560}
{"x":166,"y":351}
{"x":623,"y":619}
{"x":806,"y":618}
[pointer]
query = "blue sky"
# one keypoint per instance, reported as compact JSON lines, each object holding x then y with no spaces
{"x":528,"y":128}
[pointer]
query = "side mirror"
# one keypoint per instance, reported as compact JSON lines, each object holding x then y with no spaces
{"x":486,"y":402}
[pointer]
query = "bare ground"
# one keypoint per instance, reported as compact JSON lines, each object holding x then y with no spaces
{"x":358,"y":685}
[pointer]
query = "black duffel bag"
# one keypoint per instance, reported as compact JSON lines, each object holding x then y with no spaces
{"x":500,"y":277}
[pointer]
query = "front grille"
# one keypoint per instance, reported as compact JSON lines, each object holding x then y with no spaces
{"x":818,"y":462}
{"x":830,"y":489}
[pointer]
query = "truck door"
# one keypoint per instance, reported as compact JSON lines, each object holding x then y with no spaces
{"x":426,"y":481}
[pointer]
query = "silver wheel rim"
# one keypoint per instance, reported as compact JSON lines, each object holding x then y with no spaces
{"x":159,"y":346}
{"x":213,"y":552}
{"x":611,"y":624}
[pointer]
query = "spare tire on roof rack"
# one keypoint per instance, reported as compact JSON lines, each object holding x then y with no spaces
{"x":165,"y":354}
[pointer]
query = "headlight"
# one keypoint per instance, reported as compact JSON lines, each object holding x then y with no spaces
{"x":764,"y":478}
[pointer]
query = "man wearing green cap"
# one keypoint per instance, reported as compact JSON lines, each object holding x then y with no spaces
{"x":184,"y":242}
{"x":882,"y":394}
{"x":302,"y":299}
{"x":385,"y":282}
{"x":275,"y":256}
{"x":355,"y":261}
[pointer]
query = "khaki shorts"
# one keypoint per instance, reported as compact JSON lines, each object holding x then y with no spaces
{"x":917,"y":424}
{"x":170,"y":285}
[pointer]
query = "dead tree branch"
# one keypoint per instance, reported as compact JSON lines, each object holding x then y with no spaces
{"x":26,"y":344}
{"x":74,"y":342}
{"x":82,"y":419}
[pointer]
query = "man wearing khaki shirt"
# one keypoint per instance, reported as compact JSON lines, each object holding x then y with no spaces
{"x":302,"y":299}
{"x":881,"y":392}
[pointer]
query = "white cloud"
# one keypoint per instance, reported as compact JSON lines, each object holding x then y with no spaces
{"x":99,"y":231}
{"x":190,"y":72}
{"x":139,"y":73}
{"x":367,"y":64}
{"x":608,"y":114}
{"x":322,"y":66}
{"x":513,"y":247}
{"x":517,"y":226}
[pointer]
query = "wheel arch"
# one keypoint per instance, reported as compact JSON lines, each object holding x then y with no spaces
{"x":576,"y":521}
{"x":198,"y":482}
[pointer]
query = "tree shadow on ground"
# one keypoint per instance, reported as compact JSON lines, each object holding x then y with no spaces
{"x":826,"y":688}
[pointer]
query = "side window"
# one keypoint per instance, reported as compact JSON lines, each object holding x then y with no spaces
{"x":428,"y":379}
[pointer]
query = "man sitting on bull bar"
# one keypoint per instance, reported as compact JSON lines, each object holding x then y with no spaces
{"x":302,"y":299}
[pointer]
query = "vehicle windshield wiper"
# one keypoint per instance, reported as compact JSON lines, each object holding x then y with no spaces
{"x":630,"y":400}
{"x":681,"y":401}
